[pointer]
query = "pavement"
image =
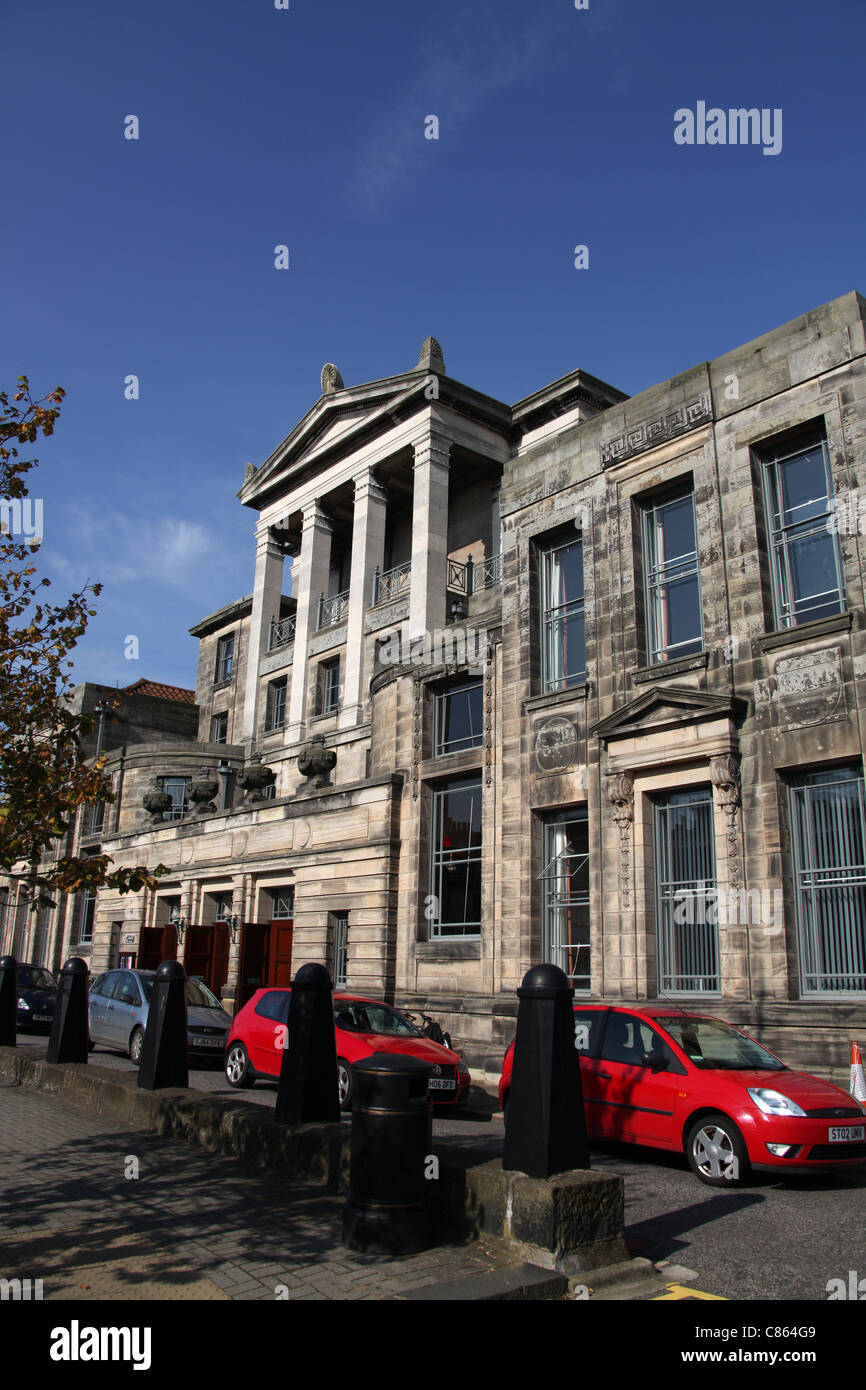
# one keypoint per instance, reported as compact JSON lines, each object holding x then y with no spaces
{"x":98,"y":1212}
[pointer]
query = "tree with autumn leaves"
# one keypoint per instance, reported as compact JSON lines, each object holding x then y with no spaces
{"x":44,"y":775}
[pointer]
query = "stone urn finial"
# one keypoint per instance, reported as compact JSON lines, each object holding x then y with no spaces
{"x":316,"y":762}
{"x":156,"y":801}
{"x":202,"y":790}
{"x":255,"y":778}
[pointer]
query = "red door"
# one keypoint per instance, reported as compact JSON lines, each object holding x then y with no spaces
{"x":207,"y":954}
{"x":280,"y":953}
{"x":254,"y":960}
{"x":157,"y":944}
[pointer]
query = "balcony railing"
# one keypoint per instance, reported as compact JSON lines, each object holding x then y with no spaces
{"x":470,"y":578}
{"x":282,"y":632}
{"x":332,"y":610}
{"x":391,"y":584}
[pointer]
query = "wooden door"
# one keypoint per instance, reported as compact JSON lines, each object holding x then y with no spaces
{"x":280,"y":952}
{"x":255,"y":944}
{"x":157,"y":944}
{"x":207,"y":954}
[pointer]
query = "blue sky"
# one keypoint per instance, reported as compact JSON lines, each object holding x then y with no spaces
{"x":306,"y":127}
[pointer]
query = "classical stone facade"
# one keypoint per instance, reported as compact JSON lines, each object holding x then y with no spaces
{"x":590,"y":672}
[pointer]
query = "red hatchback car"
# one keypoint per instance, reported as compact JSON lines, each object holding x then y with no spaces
{"x":363,"y":1026}
{"x":693,"y":1084}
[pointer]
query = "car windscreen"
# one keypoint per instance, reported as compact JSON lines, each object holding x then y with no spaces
{"x":198,"y":995}
{"x":360,"y":1016}
{"x":710,"y":1044}
{"x":34,"y":977}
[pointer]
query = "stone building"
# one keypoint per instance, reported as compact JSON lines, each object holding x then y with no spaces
{"x":578,"y":679}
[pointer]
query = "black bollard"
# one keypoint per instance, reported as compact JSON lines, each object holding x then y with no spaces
{"x":8,"y":1000}
{"x":545,"y":1125}
{"x":386,"y":1210}
{"x":308,"y":1072}
{"x":164,"y":1060}
{"x":69,"y":1030}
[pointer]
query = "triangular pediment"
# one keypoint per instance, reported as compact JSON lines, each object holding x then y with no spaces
{"x":339,"y":421}
{"x":665,"y":707}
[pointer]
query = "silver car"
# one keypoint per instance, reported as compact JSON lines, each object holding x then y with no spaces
{"x":118,"y":1008}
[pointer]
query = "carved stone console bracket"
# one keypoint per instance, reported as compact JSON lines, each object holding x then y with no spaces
{"x":620,"y":793}
{"x":725,"y":777}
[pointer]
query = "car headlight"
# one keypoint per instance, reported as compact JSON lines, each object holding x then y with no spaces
{"x":22,"y":1004}
{"x":773,"y":1102}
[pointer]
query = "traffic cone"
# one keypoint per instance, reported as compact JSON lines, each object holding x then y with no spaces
{"x":858,"y":1079}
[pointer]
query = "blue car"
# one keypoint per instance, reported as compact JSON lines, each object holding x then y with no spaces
{"x":37,"y":996}
{"x":119,"y":1005}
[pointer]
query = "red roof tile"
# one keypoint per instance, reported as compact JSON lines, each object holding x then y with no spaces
{"x":161,"y":692}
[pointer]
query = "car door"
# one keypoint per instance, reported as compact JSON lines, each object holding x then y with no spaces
{"x":97,"y":1008}
{"x":588,"y":1031}
{"x":640,"y":1077}
{"x":122,"y":1009}
{"x":265,"y":1032}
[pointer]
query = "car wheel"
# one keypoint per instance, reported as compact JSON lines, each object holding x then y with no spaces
{"x":344,"y":1083}
{"x":716,"y":1151}
{"x":238,"y":1066}
{"x":136,"y":1043}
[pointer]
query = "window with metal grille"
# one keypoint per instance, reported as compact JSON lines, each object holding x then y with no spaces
{"x":458,"y":718}
{"x":673,"y":586}
{"x":686,"y":895}
{"x":176,"y":787}
{"x":341,"y":949}
{"x":565,"y":887}
{"x":454,"y":908}
{"x":828,"y":815}
{"x":86,"y":911}
{"x":563,"y":636}
{"x":806,"y":560}
{"x":225,"y":658}
{"x":283,"y":903}
{"x":275,"y":715}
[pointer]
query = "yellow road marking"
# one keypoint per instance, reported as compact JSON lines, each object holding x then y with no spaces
{"x":682,"y":1291}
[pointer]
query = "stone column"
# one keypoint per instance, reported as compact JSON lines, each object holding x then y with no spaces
{"x":313,"y":567}
{"x":368,"y":551}
{"x":266,"y":605}
{"x":429,"y":535}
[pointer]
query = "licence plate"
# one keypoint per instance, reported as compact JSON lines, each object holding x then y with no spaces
{"x":42,"y":1018}
{"x":438,"y":1084}
{"x":847,"y":1134}
{"x":207,"y":1042}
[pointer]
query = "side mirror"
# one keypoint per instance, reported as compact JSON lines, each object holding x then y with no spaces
{"x":656,"y":1061}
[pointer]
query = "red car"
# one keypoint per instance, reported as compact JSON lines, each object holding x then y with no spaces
{"x":363,"y":1026}
{"x":681,"y":1081}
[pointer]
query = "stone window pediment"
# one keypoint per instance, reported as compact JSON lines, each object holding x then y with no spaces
{"x":667,"y":708}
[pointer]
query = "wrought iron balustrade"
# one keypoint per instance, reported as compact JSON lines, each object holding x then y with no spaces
{"x":470,"y":577}
{"x":332,"y":610}
{"x":391,"y":584}
{"x":282,"y":632}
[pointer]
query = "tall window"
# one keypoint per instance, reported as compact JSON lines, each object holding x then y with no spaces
{"x":565,"y":880}
{"x":86,"y":911}
{"x":806,"y":559}
{"x":275,"y":714}
{"x":688,"y":941}
{"x":455,"y":860}
{"x":225,"y":658}
{"x":459,"y":718}
{"x":673,"y":587}
{"x":341,"y":949}
{"x":176,"y":788}
{"x":222,"y":906}
{"x":219,"y":727}
{"x":829,"y":834}
{"x":563,"y":637}
{"x":328,"y":687}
